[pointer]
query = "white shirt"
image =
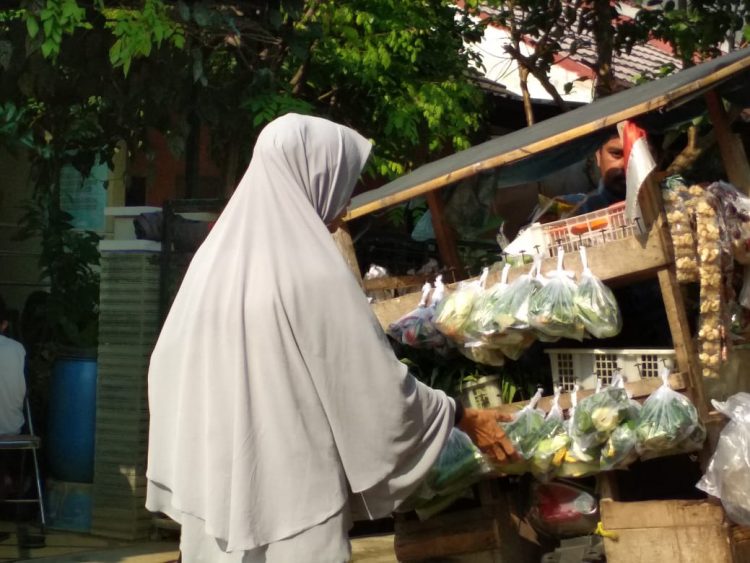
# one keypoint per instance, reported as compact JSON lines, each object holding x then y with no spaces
{"x":12,"y":386}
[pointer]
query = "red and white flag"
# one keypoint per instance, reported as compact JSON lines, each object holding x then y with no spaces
{"x":639,"y":163}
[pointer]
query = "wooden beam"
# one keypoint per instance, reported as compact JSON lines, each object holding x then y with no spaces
{"x":445,"y":236}
{"x":660,"y":514}
{"x":343,"y":241}
{"x":550,"y":142}
{"x":638,"y":389}
{"x":394,"y":282}
{"x":732,"y":152}
{"x":687,"y":359}
{"x":638,"y":258}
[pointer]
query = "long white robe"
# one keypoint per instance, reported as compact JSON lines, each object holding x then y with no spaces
{"x":272,"y":388}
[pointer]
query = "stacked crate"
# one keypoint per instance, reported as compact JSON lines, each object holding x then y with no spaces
{"x":128,"y":327}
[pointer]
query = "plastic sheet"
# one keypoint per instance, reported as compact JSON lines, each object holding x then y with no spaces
{"x":728,"y":474}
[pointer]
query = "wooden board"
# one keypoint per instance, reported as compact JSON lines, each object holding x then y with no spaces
{"x":730,"y":146}
{"x":446,"y":535}
{"x":637,"y":258}
{"x":638,"y":390}
{"x":667,"y":531}
{"x":740,"y":537}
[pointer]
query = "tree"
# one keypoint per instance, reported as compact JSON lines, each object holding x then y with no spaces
{"x":80,"y":77}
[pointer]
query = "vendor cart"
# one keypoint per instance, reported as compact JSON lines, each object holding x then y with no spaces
{"x":669,"y":531}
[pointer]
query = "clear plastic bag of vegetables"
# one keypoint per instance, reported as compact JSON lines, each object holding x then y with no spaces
{"x":596,"y":305}
{"x":523,"y":431}
{"x":483,"y":323}
{"x":512,"y":308}
{"x":416,"y":328}
{"x":459,"y":466}
{"x":551,"y":439}
{"x":668,"y":423}
{"x":597,"y":416}
{"x":728,"y":473}
{"x":619,"y":450}
{"x":453,"y":312}
{"x":575,"y":460}
{"x":552,"y":309}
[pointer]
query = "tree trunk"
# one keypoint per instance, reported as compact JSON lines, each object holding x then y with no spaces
{"x":603,"y":37}
{"x":527,"y":108}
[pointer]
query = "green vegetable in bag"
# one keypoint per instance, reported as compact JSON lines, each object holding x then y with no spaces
{"x":512,"y":308}
{"x":597,"y":416}
{"x":668,"y":423}
{"x":552,"y":438}
{"x":552,"y":309}
{"x":619,"y":450}
{"x":596,"y":304}
{"x":574,"y":460}
{"x":454,"y":311}
{"x":524,"y":429}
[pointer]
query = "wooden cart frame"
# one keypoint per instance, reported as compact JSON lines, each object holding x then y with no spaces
{"x":638,"y":257}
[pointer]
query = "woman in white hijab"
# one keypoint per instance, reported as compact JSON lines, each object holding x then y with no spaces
{"x":273,"y":392}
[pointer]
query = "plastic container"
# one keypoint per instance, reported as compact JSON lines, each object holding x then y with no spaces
{"x":71,"y":419}
{"x":590,"y":229}
{"x":584,"y":365}
{"x":483,"y":393}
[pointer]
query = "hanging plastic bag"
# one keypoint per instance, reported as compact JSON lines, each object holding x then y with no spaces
{"x":513,"y":305}
{"x":416,"y":328}
{"x":596,"y":304}
{"x":668,"y":423}
{"x":483,"y":323}
{"x":597,"y":416}
{"x":525,"y":426}
{"x":452,"y":313}
{"x":551,"y":439}
{"x":459,"y":466}
{"x":728,"y":473}
{"x":552,"y":309}
{"x":575,"y":460}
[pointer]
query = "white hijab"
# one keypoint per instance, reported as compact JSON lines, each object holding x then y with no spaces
{"x":272,"y":388}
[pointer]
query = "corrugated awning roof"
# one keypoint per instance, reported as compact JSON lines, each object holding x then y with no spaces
{"x":552,"y":144}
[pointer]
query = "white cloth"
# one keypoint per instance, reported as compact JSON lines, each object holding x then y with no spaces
{"x":326,"y":542}
{"x":272,"y":387}
{"x":12,"y":385}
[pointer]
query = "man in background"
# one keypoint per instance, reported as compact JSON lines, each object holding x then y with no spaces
{"x":12,"y":390}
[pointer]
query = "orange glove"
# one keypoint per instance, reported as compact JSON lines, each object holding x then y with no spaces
{"x":482,"y":427}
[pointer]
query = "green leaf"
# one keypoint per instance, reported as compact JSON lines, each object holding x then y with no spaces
{"x":32,"y":26}
{"x":48,"y":47}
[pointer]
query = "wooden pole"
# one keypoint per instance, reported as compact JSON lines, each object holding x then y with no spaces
{"x":343,"y":240}
{"x":732,"y":152}
{"x":446,"y":239}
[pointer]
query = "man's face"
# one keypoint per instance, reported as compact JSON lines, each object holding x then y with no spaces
{"x":611,"y":165}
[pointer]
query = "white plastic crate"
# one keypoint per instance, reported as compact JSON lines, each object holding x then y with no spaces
{"x":590,"y":229}
{"x":584,"y":365}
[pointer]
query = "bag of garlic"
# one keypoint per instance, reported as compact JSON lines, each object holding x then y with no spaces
{"x":596,"y":304}
{"x":668,"y":423}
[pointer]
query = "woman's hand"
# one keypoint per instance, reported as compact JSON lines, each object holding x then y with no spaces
{"x":482,"y":427}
